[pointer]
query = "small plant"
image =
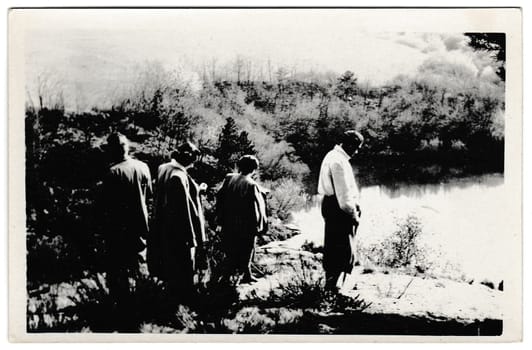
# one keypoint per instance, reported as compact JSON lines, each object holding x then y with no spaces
{"x":250,"y":320}
{"x":386,"y":292}
{"x":287,"y":196}
{"x":401,"y":249}
{"x":300,"y":285}
{"x":404,"y":243}
{"x":66,"y":306}
{"x":305,"y":289}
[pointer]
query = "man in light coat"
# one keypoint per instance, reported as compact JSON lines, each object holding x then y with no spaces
{"x":340,"y":209}
{"x":178,"y":235}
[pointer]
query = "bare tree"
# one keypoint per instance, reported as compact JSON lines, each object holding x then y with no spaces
{"x":249,"y":69}
{"x":260,"y":73}
{"x":80,"y":98}
{"x":49,"y":91}
{"x":204,"y":72}
{"x":238,"y":67}
{"x":281,"y":74}
{"x":293,"y":70}
{"x":270,"y":69}
{"x":213,"y":69}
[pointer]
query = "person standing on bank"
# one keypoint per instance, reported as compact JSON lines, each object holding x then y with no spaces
{"x":241,"y":213}
{"x":178,"y":235}
{"x":125,"y":188}
{"x":340,"y":208}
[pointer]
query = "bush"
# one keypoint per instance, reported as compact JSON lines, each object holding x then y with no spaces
{"x":278,"y":159}
{"x":67,"y":306}
{"x":286,"y":196}
{"x":302,"y":286}
{"x":85,"y":306}
{"x":401,"y":249}
{"x":404,"y":243}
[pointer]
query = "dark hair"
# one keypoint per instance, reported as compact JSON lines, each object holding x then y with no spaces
{"x":117,"y":143}
{"x":186,"y":154}
{"x":353,"y":138}
{"x":248,"y":163}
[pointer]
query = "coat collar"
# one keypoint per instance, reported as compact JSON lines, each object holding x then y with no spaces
{"x":177,"y":165}
{"x":124,"y":159}
{"x":340,"y":150}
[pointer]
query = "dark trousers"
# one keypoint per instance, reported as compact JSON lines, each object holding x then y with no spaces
{"x":239,"y":250}
{"x":179,"y":273}
{"x":124,"y":268}
{"x":338,"y":250}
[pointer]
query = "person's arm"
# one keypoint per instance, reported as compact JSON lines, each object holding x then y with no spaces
{"x":147,"y":189}
{"x":197,"y":210}
{"x":260,"y":210}
{"x":345,"y":196}
{"x":220,"y":203}
{"x":147,"y":174}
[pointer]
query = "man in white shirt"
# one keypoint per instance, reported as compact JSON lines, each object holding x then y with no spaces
{"x":340,"y":208}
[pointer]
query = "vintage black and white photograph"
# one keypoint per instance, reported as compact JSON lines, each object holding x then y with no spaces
{"x":266,"y":171}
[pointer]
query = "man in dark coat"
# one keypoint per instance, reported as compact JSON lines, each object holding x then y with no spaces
{"x":125,"y":189}
{"x":178,"y":235}
{"x":241,"y":213}
{"x":340,"y":209}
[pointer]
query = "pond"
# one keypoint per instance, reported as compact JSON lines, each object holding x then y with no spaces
{"x":463,"y":220}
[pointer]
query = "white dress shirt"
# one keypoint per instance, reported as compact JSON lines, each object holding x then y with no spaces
{"x":336,"y":178}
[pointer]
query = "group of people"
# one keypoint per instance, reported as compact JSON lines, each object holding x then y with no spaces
{"x":171,"y":246}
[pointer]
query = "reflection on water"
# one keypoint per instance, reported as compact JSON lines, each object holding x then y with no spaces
{"x":422,"y":190}
{"x":463,"y":219}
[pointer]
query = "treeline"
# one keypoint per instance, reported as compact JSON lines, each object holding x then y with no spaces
{"x":289,"y":125}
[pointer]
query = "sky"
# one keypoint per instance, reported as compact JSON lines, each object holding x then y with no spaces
{"x":91,"y":53}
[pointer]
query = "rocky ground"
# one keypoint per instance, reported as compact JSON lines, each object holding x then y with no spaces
{"x":399,"y":302}
{"x":288,"y":298}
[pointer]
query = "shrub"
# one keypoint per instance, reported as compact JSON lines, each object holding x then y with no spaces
{"x":66,"y":306}
{"x":85,"y":305}
{"x":305,"y":286}
{"x":278,"y":159}
{"x":250,"y":320}
{"x":301,"y":286}
{"x":404,"y":243}
{"x":401,"y":249}
{"x":286,"y":196}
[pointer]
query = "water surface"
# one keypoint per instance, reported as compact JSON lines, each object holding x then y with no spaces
{"x":463,"y":221}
